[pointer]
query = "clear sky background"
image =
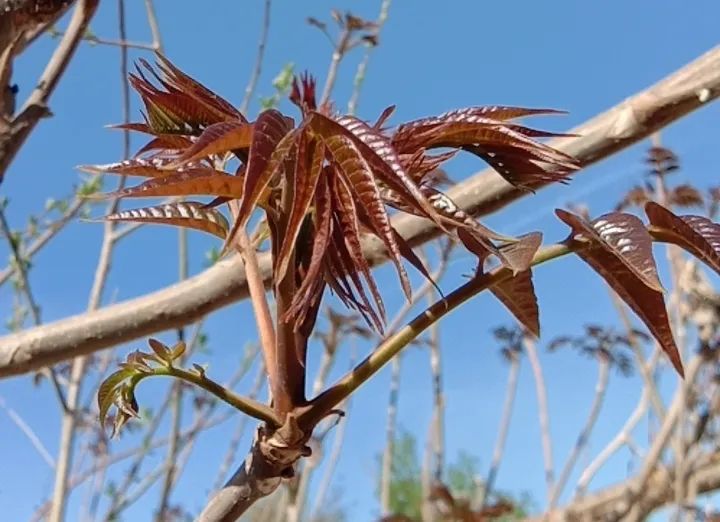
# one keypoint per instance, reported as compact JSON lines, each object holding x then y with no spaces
{"x":583,"y":57}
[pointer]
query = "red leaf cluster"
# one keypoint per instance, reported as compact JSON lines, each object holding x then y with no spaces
{"x":326,"y":182}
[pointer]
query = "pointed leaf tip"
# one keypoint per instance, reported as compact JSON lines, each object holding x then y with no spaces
{"x":621,"y":253}
{"x":697,"y":235}
{"x":518,"y":296}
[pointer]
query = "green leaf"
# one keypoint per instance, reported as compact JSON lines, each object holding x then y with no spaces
{"x":109,"y":391}
{"x":178,"y":350}
{"x":161,"y":350}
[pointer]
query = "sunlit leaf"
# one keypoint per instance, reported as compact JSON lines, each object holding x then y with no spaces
{"x":200,"y":182}
{"x":351,"y":164}
{"x":519,"y":254}
{"x":178,"y":350}
{"x":161,"y":350}
{"x":271,"y":142}
{"x":322,"y":224}
{"x":508,"y":148}
{"x":305,"y":176}
{"x":216,"y":139}
{"x":518,"y":296}
{"x":148,"y":168}
{"x":184,"y":83}
{"x":377,"y":153}
{"x":629,"y":269}
{"x":109,"y":390}
{"x":624,"y":236}
{"x":188,"y":214}
{"x":349,"y":230}
{"x":324,"y":184}
{"x":696,"y":234}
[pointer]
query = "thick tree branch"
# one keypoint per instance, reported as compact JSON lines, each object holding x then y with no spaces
{"x":613,"y":502}
{"x":687,"y":89}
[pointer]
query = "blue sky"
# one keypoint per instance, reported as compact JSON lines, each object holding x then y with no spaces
{"x":583,"y":57}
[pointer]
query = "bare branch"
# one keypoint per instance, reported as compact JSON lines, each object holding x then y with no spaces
{"x":333,"y":458}
{"x":21,"y":269}
{"x":239,"y":431}
{"x":598,"y":399}
{"x":504,"y":426}
{"x":261,"y":310}
{"x":390,"y":435}
{"x":361,"y":71}
{"x":14,"y":133}
{"x":154,"y":25}
{"x":28,"y":432}
{"x":259,"y":58}
{"x":70,"y":419}
{"x":49,"y":233}
{"x":543,"y":413}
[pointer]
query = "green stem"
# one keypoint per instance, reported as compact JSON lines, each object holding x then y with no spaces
{"x":246,"y":405}
{"x":329,"y":399}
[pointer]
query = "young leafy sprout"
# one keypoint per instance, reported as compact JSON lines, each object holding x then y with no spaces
{"x":323,"y":182}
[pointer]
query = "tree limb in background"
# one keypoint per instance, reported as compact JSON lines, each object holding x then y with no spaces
{"x":582,"y":440}
{"x":13,"y":133}
{"x":687,"y":89}
{"x":390,"y":435}
{"x":543,"y":413}
{"x":624,"y":435}
{"x":511,"y":351}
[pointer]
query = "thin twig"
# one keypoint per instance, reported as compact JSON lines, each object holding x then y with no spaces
{"x":259,"y":58}
{"x":652,"y":458}
{"x":154,"y":25}
{"x":361,"y":72}
{"x":35,"y":108}
{"x":438,"y":422}
{"x":390,"y":427}
{"x":341,"y":47}
{"x":543,"y":413}
{"x":238,"y":433}
{"x":643,"y":366}
{"x":29,"y":433}
{"x":331,"y":465}
{"x":96,"y":40}
{"x":202,"y":421}
{"x":244,"y":404}
{"x":622,"y":437}
{"x":613,"y":446}
{"x":50,"y":232}
{"x":130,"y":476}
{"x":392,"y":345}
{"x":678,"y":318}
{"x":21,"y":268}
{"x":79,"y":364}
{"x":504,"y":427}
{"x":142,"y":449}
{"x":147,"y":482}
{"x":121,"y":43}
{"x":584,"y":436}
{"x":171,"y":471}
{"x":261,"y":309}
{"x":19,"y":263}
